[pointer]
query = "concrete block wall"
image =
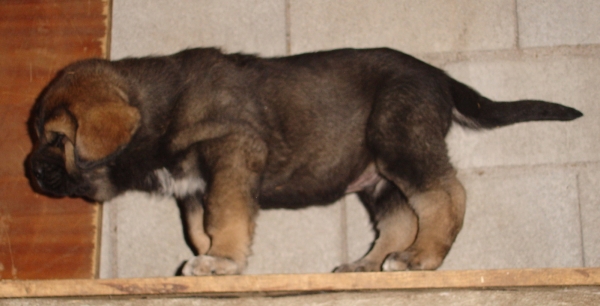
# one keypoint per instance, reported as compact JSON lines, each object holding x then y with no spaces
{"x":532,"y":197}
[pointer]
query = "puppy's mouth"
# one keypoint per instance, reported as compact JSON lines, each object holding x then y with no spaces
{"x":53,"y":179}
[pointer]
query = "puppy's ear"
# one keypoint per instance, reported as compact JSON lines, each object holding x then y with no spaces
{"x":104,"y":128}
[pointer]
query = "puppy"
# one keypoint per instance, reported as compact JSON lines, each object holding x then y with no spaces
{"x":227,"y":134}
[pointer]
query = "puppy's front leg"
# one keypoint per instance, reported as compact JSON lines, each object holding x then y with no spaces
{"x":192,"y":210}
{"x":230,"y":207}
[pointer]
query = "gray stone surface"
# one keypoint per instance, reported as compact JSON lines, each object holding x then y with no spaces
{"x":558,"y":22}
{"x":297,"y":241}
{"x":360,"y":233}
{"x":570,"y":80}
{"x":589,"y":182}
{"x":519,"y":217}
{"x":161,"y":26}
{"x":423,"y":26}
{"x":148,"y":240}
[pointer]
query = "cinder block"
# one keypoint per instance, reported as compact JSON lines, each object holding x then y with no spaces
{"x":589,"y":180}
{"x":558,"y":22}
{"x":568,"y":79}
{"x":108,"y":242}
{"x":161,"y":27}
{"x":519,"y":217}
{"x":150,"y":239}
{"x":297,"y":241}
{"x":410,"y":26}
{"x":360,"y":232}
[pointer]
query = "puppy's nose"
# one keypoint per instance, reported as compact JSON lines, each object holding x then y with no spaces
{"x":37,"y":170}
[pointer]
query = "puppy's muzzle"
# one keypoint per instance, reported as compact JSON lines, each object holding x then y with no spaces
{"x":51,"y":177}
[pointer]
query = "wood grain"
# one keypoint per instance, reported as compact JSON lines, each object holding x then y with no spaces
{"x":41,"y":237}
{"x":244,"y":285}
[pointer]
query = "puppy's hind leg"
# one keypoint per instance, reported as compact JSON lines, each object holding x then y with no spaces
{"x":437,"y":198}
{"x":406,"y":134}
{"x":394,"y":221}
{"x":441,"y":212}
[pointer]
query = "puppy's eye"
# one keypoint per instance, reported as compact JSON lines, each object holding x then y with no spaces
{"x":56,"y":140}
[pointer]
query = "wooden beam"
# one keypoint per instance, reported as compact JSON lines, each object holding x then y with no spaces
{"x":42,"y":237}
{"x":243,"y":285}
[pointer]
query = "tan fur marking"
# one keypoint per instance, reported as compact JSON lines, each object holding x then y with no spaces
{"x":231,"y":223}
{"x":63,"y":124}
{"x":70,"y":165}
{"x":397,"y":231}
{"x":441,"y":213}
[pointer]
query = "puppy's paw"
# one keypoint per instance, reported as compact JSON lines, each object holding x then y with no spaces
{"x":210,"y":265}
{"x":411,"y":260}
{"x":397,"y":261}
{"x":359,"y":266}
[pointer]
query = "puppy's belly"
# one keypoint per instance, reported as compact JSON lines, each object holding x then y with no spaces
{"x":294,"y":196}
{"x":315,"y":182}
{"x":294,"y":192}
{"x":369,"y":177}
{"x":300,"y":192}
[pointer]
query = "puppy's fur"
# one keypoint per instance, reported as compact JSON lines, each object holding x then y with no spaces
{"x":229,"y":134}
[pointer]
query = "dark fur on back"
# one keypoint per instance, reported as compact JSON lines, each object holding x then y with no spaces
{"x":263,"y":84}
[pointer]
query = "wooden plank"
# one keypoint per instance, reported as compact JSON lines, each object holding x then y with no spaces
{"x":243,"y":285}
{"x":42,"y":237}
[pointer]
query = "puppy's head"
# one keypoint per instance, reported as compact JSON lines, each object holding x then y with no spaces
{"x":81,"y":120}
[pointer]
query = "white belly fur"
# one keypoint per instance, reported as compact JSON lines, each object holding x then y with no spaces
{"x":179,"y":188}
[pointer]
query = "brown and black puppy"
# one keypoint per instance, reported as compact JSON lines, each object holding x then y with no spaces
{"x":229,"y":134}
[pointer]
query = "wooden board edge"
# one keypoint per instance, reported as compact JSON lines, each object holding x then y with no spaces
{"x":106,"y":40}
{"x":277,"y":284}
{"x":96,"y":256}
{"x":105,"y":44}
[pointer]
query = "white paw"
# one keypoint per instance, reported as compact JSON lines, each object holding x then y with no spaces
{"x":411,"y":260}
{"x":390,"y":265}
{"x":395,"y":262}
{"x":210,"y":265}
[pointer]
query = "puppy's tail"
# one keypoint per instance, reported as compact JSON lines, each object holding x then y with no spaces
{"x":475,"y":111}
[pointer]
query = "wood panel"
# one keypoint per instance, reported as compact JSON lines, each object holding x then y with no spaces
{"x":42,"y":237}
{"x":258,"y":285}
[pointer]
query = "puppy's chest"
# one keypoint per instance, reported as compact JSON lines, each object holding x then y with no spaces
{"x":178,"y":187}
